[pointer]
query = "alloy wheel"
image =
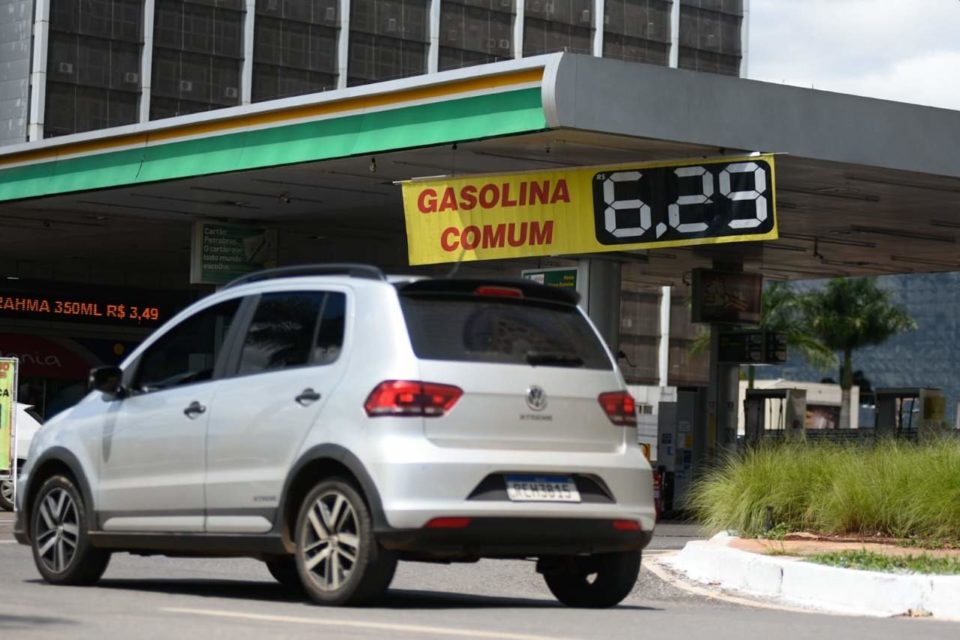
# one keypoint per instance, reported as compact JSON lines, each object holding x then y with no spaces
{"x":6,"y":491}
{"x":332,"y":543}
{"x":58,"y":530}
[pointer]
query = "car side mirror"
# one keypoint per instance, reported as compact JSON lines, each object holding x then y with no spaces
{"x":108,"y":380}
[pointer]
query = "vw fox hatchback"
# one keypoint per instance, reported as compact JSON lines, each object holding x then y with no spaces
{"x":331,"y":422}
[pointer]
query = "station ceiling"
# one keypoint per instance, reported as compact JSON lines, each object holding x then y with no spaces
{"x":840,"y":213}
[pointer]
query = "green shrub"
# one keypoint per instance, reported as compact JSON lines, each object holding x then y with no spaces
{"x":892,"y":489}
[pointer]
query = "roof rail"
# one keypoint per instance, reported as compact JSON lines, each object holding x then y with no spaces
{"x":366,"y":271}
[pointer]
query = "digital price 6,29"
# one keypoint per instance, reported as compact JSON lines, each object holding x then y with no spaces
{"x":692,"y":203}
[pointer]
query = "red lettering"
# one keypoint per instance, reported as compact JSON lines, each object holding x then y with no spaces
{"x":506,"y":201}
{"x":427,"y":201}
{"x":539,"y":191}
{"x":523,"y":193}
{"x":449,"y":201}
{"x":445,"y":242}
{"x":470,"y":238}
{"x":542,"y":235}
{"x":468,"y":197}
{"x":493,"y":236}
{"x":560,"y":193}
{"x":489,"y":194}
{"x":512,"y":239}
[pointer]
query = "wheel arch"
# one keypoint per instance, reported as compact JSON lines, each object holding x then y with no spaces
{"x":324,"y":461}
{"x":54,"y":461}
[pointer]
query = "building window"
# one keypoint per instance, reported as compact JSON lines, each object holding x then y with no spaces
{"x":197,"y":56}
{"x":637,"y":30}
{"x":388,"y":40}
{"x":558,"y":25}
{"x":710,"y":35}
{"x":475,"y":32}
{"x":295,"y":47}
{"x":93,"y":68}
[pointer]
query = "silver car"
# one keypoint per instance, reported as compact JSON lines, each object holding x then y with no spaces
{"x":331,"y":421}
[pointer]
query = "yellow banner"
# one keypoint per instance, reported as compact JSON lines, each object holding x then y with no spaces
{"x":8,"y":398}
{"x":591,"y":209}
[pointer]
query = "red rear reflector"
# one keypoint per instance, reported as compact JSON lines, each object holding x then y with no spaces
{"x":620,"y":407}
{"x":448,"y":523}
{"x":626,"y":525}
{"x":501,"y":292}
{"x":411,"y":398}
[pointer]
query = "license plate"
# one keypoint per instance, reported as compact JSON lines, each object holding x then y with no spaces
{"x":542,"y":489}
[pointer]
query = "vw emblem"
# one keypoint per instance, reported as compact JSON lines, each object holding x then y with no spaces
{"x":536,"y":398}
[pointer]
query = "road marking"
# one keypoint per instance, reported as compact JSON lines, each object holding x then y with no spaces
{"x":380,"y":626}
{"x":8,"y":542}
{"x":683,"y":585}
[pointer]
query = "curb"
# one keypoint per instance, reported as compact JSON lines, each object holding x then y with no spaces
{"x":806,"y":584}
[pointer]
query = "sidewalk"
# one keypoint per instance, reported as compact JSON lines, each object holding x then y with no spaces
{"x":745,"y":566}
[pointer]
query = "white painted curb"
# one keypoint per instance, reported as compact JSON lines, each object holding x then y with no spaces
{"x":818,"y":586}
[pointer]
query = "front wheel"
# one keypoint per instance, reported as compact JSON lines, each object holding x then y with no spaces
{"x":594,"y":582}
{"x":59,"y":539}
{"x":338,"y":557}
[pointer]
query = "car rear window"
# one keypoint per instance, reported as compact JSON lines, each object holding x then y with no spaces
{"x":480,"y":329}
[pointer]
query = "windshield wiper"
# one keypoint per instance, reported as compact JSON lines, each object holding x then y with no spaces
{"x":554,"y":359}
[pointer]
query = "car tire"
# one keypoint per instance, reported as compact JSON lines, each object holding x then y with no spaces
{"x":284,"y":570}
{"x":338,"y":558}
{"x":6,"y":494}
{"x":59,"y":536}
{"x":613,"y":577}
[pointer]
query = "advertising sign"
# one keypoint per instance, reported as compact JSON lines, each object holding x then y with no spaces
{"x":224,"y":252}
{"x":560,"y":277}
{"x":721,"y":297}
{"x":590,"y":210}
{"x":8,"y":412}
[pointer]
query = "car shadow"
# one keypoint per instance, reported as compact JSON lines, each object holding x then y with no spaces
{"x":394,"y":599}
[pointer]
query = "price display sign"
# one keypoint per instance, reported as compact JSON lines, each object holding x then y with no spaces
{"x":591,"y":209}
{"x":683,"y":203}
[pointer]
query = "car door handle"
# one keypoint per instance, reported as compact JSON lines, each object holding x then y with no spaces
{"x":307,"y":396}
{"x":194,"y":410}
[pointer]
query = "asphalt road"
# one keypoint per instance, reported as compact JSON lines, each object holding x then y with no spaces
{"x":237,"y":599}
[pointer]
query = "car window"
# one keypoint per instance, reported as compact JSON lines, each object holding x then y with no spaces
{"x":329,"y":341}
{"x":481,"y":329}
{"x":187,"y":353}
{"x":282,"y":331}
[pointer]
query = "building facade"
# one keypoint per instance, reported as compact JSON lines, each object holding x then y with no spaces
{"x":71,"y":66}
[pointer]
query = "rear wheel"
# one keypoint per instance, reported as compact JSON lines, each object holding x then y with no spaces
{"x":595,"y":582}
{"x":59,"y":539}
{"x":338,"y":557}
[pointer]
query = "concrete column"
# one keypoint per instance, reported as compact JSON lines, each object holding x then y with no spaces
{"x":601,"y":297}
{"x":663,"y":360}
{"x":343,"y":45}
{"x":518,"y":29}
{"x":246,"y":71}
{"x":38,"y":73}
{"x":598,"y":8}
{"x":146,"y":60}
{"x":433,"y":50}
{"x":675,"y":34}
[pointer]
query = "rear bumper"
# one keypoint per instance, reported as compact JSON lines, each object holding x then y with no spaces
{"x":516,"y":538}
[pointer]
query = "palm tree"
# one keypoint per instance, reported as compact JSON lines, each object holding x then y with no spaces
{"x":849,"y":314}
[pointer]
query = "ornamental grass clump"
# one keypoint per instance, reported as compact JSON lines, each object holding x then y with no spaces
{"x":892,"y":489}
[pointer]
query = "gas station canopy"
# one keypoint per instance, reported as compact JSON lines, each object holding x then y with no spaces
{"x":864,"y":186}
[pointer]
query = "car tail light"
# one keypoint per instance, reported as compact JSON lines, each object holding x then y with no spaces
{"x":620,"y":408}
{"x":626,"y":525}
{"x":448,"y":523}
{"x":411,"y":398}
{"x":500,"y":292}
